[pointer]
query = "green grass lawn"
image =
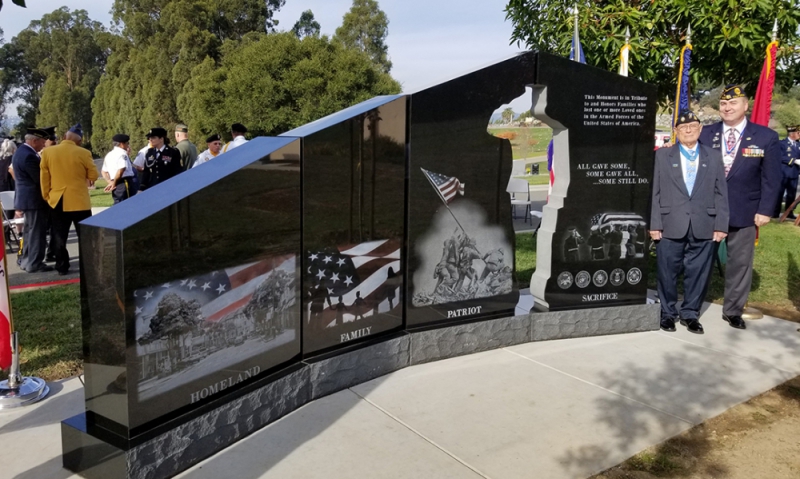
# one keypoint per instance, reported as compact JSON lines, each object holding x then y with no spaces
{"x":536,"y":179}
{"x":49,"y":326}
{"x":776,"y":274}
{"x":100,"y":197}
{"x":525,"y":142}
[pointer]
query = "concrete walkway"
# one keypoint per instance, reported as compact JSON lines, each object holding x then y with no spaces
{"x":20,"y":280}
{"x":558,"y":409}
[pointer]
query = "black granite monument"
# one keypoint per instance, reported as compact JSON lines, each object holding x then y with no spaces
{"x":375,"y":238}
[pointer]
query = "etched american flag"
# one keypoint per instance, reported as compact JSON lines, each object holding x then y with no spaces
{"x":448,"y":186}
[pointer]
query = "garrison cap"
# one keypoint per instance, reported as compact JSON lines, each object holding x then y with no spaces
{"x":37,"y":132}
{"x":213,"y":138}
{"x":686,"y":116}
{"x":121,"y":138}
{"x":77,"y":129}
{"x":733,"y":91}
{"x":239,"y":128}
{"x":159,"y":132}
{"x":182,"y":128}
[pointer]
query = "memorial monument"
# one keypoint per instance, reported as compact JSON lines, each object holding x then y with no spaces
{"x":375,"y":238}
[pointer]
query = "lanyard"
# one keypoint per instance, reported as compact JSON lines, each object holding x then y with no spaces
{"x":735,"y":144}
{"x":690,"y":155}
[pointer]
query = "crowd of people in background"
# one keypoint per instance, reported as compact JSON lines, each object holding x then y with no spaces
{"x":51,"y":181}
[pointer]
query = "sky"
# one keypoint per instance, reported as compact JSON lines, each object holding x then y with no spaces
{"x":430,"y":41}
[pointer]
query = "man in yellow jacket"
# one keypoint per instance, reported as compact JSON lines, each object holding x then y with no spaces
{"x":65,"y":171}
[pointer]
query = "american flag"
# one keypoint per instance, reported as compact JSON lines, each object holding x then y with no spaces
{"x":448,"y":186}
{"x":369,"y":271}
{"x":220,"y":293}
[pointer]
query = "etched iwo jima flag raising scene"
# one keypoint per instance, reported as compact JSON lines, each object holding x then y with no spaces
{"x":382,"y":239}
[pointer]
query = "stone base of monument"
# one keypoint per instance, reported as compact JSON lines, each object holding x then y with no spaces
{"x":183,"y":442}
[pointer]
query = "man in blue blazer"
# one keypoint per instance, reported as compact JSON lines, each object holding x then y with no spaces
{"x":689,"y":214}
{"x":28,"y":198}
{"x":752,"y":157}
{"x":790,"y":167}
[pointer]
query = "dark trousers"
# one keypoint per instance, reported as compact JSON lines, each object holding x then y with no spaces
{"x":692,"y":255}
{"x":739,"y":269}
{"x":62,"y":220}
{"x":124,"y":190}
{"x":788,"y":193}
{"x":35,"y":239}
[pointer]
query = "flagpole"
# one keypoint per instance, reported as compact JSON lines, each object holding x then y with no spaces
{"x":443,"y":200}
{"x":576,"y":56}
{"x":676,"y":112}
{"x":625,"y":53}
{"x":17,"y":390}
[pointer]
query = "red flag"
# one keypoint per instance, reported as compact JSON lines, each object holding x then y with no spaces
{"x":5,"y":310}
{"x":763,"y":102}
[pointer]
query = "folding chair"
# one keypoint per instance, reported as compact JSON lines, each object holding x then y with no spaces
{"x":10,"y":224}
{"x":520,"y":192}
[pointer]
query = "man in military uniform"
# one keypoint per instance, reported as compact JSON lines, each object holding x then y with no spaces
{"x":790,"y":167}
{"x":161,"y":162}
{"x":122,"y":182}
{"x":214,"y":146}
{"x":751,"y":155}
{"x":572,"y":244}
{"x":186,"y":147}
{"x":237,"y":132}
{"x":27,"y":171}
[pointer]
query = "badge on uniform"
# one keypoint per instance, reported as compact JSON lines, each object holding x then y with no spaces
{"x":674,"y":165}
{"x":716,"y":145}
{"x":752,"y":151}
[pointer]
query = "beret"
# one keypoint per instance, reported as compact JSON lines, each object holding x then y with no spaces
{"x":121,"y":138}
{"x":213,"y":138}
{"x":239,"y":128}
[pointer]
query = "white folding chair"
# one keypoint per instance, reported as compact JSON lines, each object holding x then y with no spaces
{"x":520,"y":192}
{"x":10,"y":224}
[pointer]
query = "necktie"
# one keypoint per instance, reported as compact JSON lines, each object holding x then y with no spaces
{"x":730,"y":144}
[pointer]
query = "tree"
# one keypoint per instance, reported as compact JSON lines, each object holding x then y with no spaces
{"x":365,"y":28}
{"x":788,"y":114}
{"x":174,"y":318}
{"x":52,"y":67}
{"x":507,"y":115}
{"x":728,"y":40}
{"x":294,"y":82}
{"x":160,"y":42}
{"x":306,"y":25}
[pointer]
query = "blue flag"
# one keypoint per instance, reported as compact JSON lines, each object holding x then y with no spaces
{"x":576,"y":46}
{"x":682,"y":95}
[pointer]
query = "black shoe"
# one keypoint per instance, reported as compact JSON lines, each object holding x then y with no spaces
{"x":42,"y":269}
{"x":50,"y":259}
{"x":735,"y":321}
{"x":791,"y":217}
{"x":693,"y":326}
{"x":668,"y":324}
{"x":63,"y":273}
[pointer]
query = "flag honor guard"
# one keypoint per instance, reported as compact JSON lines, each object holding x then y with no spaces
{"x":16,"y":391}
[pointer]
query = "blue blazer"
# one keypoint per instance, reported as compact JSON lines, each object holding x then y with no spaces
{"x":755,"y":178}
{"x":674,"y":208}
{"x":26,"y":177}
{"x":790,"y":158}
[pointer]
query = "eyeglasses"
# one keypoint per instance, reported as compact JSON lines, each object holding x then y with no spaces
{"x":689,"y":128}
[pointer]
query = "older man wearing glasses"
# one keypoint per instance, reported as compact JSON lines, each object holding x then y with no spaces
{"x":689,"y":214}
{"x":214,"y":143}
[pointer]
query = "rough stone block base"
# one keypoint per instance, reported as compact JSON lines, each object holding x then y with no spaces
{"x":164,"y":454}
{"x":594,"y":322}
{"x":358,"y":366}
{"x":458,"y":340}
